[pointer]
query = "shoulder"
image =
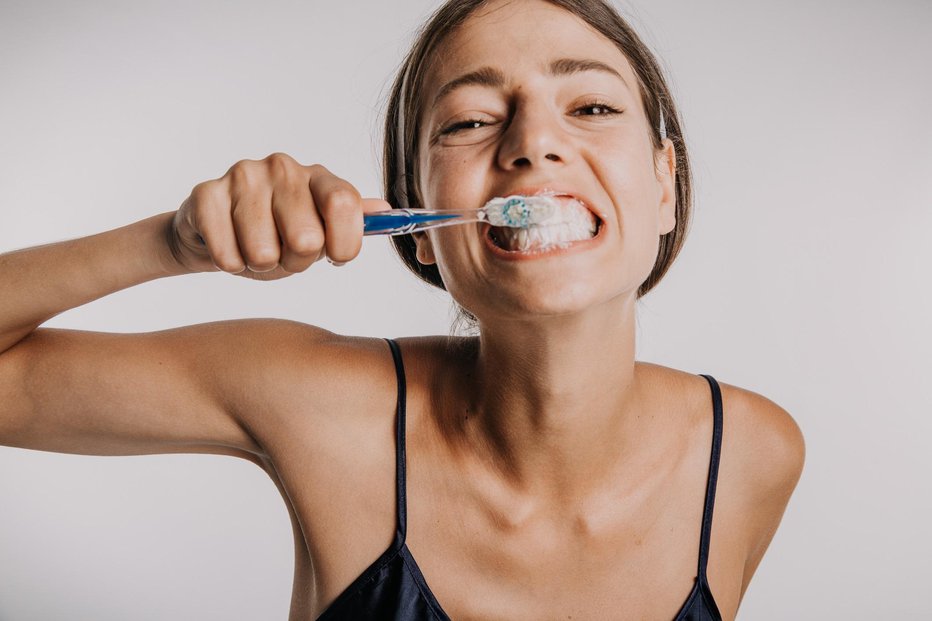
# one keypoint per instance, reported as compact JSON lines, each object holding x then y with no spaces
{"x":274,"y":354}
{"x":279,"y":376}
{"x":762,"y":457}
{"x":299,"y":380}
{"x":767,"y":443}
{"x":761,"y":443}
{"x":279,"y":344}
{"x":299,"y":364}
{"x":763,"y":452}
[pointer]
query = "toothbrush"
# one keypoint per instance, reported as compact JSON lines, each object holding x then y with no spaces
{"x":511,"y":211}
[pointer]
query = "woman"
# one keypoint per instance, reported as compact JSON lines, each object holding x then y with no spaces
{"x":534,"y":471}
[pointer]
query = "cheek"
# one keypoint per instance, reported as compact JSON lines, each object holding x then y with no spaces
{"x":626,"y":172}
{"x":623,"y":160}
{"x":625,"y":169}
{"x":457,"y":251}
{"x":637,"y":230}
{"x":456,"y":177}
{"x":452,"y":180}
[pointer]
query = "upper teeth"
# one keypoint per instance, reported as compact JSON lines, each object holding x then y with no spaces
{"x":570,"y":222}
{"x":521,"y":211}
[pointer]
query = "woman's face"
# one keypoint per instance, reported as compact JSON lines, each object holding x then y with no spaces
{"x":546,"y":104}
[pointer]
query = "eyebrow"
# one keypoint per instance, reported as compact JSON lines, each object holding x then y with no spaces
{"x":492,"y":77}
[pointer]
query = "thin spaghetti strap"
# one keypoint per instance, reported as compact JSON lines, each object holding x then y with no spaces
{"x":400,"y":475}
{"x":713,"y":477}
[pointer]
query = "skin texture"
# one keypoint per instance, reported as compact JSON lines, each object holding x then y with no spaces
{"x":550,"y":474}
{"x":541,"y":131}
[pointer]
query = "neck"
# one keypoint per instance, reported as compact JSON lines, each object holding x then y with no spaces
{"x":554,"y":405}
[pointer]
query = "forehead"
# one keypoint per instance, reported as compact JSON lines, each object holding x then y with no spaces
{"x":520,"y":36}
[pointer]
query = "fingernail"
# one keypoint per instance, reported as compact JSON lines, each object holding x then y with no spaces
{"x":335,"y":263}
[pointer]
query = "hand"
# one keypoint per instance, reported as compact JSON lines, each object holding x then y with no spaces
{"x":270,"y":218}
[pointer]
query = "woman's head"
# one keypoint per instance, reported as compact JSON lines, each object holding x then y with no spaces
{"x":501,"y":95}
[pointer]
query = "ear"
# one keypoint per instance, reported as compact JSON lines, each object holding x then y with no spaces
{"x":425,"y":251}
{"x":665,"y":168}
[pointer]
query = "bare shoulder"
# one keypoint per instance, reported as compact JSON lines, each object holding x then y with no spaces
{"x":761,"y":441}
{"x":285,"y":375}
{"x":760,"y":438}
{"x":763,"y":452}
{"x":280,"y":354}
{"x":768,"y":444}
{"x":762,"y":461}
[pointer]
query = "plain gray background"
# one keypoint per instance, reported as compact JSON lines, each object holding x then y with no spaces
{"x":805,"y":278}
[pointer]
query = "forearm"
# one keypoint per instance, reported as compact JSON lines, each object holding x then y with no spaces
{"x":40,"y":282}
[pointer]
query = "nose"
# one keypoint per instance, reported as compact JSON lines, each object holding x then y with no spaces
{"x":534,"y":138}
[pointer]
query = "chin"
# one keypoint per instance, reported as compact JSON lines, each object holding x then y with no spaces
{"x":548,"y":298}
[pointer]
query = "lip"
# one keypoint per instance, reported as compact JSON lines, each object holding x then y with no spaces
{"x":572,"y":248}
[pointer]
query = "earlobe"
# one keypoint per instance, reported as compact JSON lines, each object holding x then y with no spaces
{"x":425,"y":251}
{"x":666,"y":176}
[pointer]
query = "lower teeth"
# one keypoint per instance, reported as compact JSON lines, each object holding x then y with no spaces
{"x":572,"y":222}
{"x":537,"y":238}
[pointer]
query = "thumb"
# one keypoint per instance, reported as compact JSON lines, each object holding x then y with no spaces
{"x":370,"y":205}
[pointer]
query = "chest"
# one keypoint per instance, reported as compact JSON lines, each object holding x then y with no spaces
{"x":632,"y":557}
{"x":639,"y":557}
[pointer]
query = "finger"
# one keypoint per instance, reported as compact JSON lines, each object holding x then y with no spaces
{"x":370,"y":205}
{"x":214,"y":224}
{"x":340,"y":207}
{"x":255,"y":229}
{"x":299,"y":226}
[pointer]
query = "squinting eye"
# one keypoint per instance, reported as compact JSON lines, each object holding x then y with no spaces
{"x":456,"y":127}
{"x":598,"y":109}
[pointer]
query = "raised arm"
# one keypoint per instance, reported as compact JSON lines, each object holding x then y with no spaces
{"x":192,"y":389}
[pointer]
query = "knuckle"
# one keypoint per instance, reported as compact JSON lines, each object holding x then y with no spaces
{"x":245,"y":174}
{"x":264,"y":256}
{"x":306,"y":242}
{"x":341,"y":200}
{"x":281,"y":164}
{"x":229,"y":263}
{"x":204,"y":192}
{"x":317,"y":170}
{"x":340,"y":258}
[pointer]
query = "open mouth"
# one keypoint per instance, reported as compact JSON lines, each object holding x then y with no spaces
{"x":571,"y":222}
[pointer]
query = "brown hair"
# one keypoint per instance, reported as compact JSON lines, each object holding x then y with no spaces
{"x":406,"y":102}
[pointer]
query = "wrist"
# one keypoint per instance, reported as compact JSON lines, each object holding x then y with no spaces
{"x":159,"y":257}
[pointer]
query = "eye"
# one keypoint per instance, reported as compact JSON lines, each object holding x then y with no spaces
{"x":460,"y":126}
{"x":595,"y":108}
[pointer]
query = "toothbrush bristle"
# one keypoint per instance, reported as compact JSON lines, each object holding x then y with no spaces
{"x":519,"y":211}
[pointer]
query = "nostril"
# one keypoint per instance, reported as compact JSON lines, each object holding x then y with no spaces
{"x":525,"y":160}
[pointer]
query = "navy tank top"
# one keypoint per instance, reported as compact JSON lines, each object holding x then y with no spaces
{"x":392,"y":588}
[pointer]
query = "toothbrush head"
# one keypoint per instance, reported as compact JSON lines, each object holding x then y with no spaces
{"x":520,"y":212}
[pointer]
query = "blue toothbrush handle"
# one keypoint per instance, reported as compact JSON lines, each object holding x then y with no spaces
{"x":403,"y":221}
